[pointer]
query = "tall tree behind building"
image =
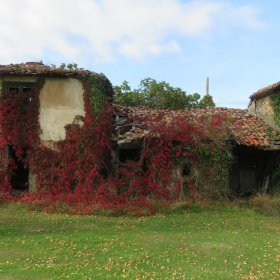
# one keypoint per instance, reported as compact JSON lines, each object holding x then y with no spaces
{"x":155,"y":94}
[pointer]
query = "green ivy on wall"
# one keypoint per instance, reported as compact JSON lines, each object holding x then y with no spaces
{"x":275,"y":100}
{"x":99,"y":90}
{"x":1,"y":88}
{"x":97,"y":95}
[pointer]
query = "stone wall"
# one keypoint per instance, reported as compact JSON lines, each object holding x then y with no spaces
{"x":263,"y":109}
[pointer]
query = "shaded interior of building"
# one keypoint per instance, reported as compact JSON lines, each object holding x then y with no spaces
{"x":252,"y":171}
{"x":20,"y":172}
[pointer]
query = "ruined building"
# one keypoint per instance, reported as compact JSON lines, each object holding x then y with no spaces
{"x":264,"y":104}
{"x":255,"y":144}
{"x":60,"y":96}
{"x":57,"y":98}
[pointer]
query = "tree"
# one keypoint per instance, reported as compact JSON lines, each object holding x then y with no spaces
{"x":154,"y":94}
{"x":206,"y":101}
{"x":125,"y":96}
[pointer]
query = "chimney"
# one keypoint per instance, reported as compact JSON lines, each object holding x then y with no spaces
{"x":207,"y":86}
{"x":34,"y":63}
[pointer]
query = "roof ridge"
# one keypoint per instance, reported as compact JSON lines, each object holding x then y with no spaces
{"x":265,"y":91}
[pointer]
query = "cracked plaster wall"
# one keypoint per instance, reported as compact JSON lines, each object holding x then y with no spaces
{"x":61,"y":100}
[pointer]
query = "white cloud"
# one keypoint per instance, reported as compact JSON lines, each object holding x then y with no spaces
{"x":107,"y":29}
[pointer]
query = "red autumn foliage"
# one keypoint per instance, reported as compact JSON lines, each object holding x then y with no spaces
{"x":78,"y":173}
{"x":19,"y":129}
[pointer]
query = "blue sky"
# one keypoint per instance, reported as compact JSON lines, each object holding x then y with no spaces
{"x":234,"y":42}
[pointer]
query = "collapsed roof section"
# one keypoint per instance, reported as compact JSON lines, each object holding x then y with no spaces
{"x":246,"y":129}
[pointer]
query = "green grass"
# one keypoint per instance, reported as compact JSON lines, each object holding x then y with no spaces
{"x":199,"y":243}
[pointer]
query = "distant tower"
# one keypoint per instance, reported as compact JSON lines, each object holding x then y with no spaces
{"x":207,"y":86}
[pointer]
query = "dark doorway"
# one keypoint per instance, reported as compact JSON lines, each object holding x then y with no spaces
{"x":23,"y":93}
{"x":20,"y":175}
{"x":129,"y":154}
{"x":250,"y":170}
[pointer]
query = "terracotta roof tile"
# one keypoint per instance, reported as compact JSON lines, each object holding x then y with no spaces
{"x":37,"y":69}
{"x":246,"y":129}
{"x":271,"y":89}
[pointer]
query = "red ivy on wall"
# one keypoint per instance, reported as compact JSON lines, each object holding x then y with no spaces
{"x":19,"y":128}
{"x":79,"y":173}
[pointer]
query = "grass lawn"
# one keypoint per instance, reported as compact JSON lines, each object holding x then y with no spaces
{"x":210,"y":243}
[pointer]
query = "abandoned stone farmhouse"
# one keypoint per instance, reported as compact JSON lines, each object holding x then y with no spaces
{"x":56,"y":97}
{"x":61,"y":97}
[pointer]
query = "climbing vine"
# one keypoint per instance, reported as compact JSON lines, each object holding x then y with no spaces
{"x":98,"y":92}
{"x":275,"y":100}
{"x":1,"y":88}
{"x":204,"y":149}
{"x":77,"y":171}
{"x":19,"y":129}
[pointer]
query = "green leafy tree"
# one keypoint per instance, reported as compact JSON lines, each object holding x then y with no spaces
{"x":125,"y":96}
{"x":154,"y":94}
{"x":206,"y":101}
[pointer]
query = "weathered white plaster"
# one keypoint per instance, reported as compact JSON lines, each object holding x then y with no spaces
{"x":61,"y":100}
{"x":263,"y":109}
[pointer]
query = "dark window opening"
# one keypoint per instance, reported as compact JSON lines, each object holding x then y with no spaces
{"x":18,"y":89}
{"x":28,"y":91}
{"x":13,"y":90}
{"x":20,"y":175}
{"x":186,"y":170}
{"x":23,"y":92}
{"x":25,"y":89}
